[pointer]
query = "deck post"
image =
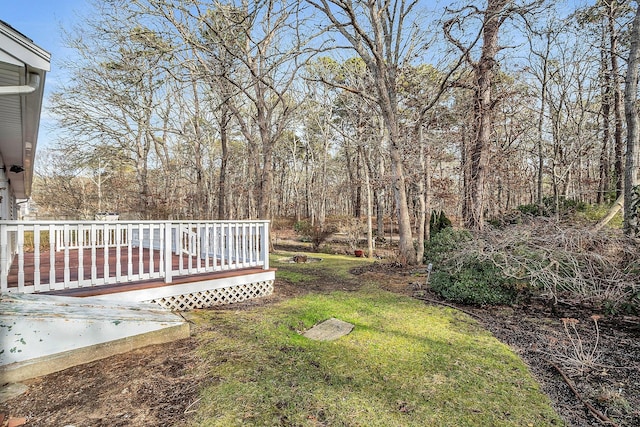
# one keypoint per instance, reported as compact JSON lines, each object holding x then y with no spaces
{"x":265,"y":244}
{"x":168,"y":261}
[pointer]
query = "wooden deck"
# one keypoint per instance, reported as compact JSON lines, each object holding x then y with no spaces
{"x":134,"y":263}
{"x":127,"y":282}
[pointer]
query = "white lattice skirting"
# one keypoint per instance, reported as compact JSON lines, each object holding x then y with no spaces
{"x":212,"y":297}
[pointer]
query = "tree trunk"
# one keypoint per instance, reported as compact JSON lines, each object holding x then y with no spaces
{"x":224,"y":161}
{"x":484,"y":71}
{"x":379,"y":49}
{"x":603,"y":184}
{"x":543,"y":99}
{"x":631,"y":175}
{"x":617,"y":205}
{"x":352,"y":181}
{"x":367,"y":185}
{"x":617,"y":96}
{"x":357,"y":206}
{"x":423,"y":224}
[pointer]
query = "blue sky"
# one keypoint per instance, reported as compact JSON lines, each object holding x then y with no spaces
{"x":41,"y":21}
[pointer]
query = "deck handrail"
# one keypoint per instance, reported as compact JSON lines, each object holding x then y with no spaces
{"x":42,"y":256}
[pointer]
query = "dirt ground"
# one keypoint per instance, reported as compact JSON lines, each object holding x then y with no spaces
{"x":157,"y":385}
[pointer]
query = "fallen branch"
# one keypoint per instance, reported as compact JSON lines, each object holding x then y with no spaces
{"x":617,"y":205}
{"x":188,"y":409}
{"x":602,"y":417}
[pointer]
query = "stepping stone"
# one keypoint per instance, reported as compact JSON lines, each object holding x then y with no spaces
{"x":329,"y":330}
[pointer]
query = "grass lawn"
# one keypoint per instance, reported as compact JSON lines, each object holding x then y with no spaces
{"x":404,"y":364}
{"x":332,"y":267}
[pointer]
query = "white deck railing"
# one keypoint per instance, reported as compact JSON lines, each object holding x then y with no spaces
{"x":66,"y":255}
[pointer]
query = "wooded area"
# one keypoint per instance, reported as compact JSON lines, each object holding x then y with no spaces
{"x":197,"y":109}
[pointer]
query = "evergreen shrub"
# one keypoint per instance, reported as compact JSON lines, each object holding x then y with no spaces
{"x":462,"y":278}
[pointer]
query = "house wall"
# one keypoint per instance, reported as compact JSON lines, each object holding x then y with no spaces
{"x":8,"y":205}
{"x":4,"y":194}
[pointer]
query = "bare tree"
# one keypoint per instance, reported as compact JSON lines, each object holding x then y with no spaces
{"x":632,"y":174}
{"x":376,"y":30}
{"x":112,"y":97}
{"x":254,"y":50}
{"x":484,"y":73}
{"x":612,"y":12}
{"x":539,"y":66}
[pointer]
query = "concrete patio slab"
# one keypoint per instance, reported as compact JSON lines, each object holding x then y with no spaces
{"x":41,"y":334}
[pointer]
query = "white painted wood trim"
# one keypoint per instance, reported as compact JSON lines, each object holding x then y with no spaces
{"x":186,"y":288}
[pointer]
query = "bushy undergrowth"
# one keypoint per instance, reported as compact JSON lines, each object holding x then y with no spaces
{"x":438,"y":222}
{"x":466,"y":280}
{"x":478,"y":284}
{"x":568,"y":210}
{"x":445,"y":243}
{"x":558,"y":260}
{"x":548,"y":207}
{"x":314,"y":233}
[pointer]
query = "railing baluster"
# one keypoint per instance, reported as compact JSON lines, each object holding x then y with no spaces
{"x":215,"y":247}
{"x":236,"y":246}
{"x":245,"y":244}
{"x":118,"y":253}
{"x":151,"y":263}
{"x":264,"y":241}
{"x":224,"y":246}
{"x":206,"y":246}
{"x":65,"y":242}
{"x":253,"y":245}
{"x":58,"y":239}
{"x":249,"y":245}
{"x":161,"y":265}
{"x":255,"y":242}
{"x":105,"y":271}
{"x":130,"y":251}
{"x":20,"y":253}
{"x":53,"y":234}
{"x":141,"y":252}
{"x":166,"y":249}
{"x":36,"y":258}
{"x":190,"y":244}
{"x":236,"y":252}
{"x":94,"y":260}
{"x":197,"y":247}
{"x":232,"y":247}
{"x":81,"y":240}
{"x":180,"y":247}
